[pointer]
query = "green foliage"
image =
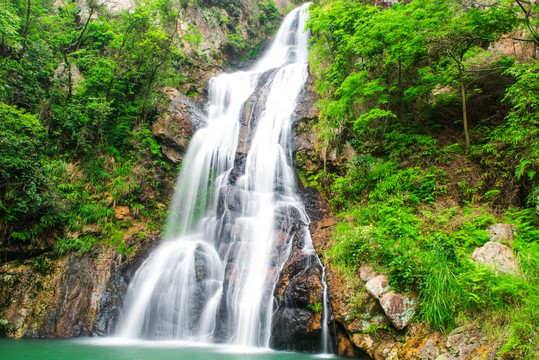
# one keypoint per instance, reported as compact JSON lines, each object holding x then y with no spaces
{"x":269,"y":16}
{"x":25,"y":195}
{"x":428,"y":253}
{"x":375,"y":330}
{"x":316,"y":307}
{"x":392,"y":84}
{"x":521,"y":129}
{"x":378,"y":69}
{"x":84,"y":145}
{"x":378,"y":180}
{"x":236,"y":39}
{"x":9,"y":27}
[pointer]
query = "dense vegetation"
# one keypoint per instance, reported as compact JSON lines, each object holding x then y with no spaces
{"x":428,"y":136}
{"x":79,"y":89}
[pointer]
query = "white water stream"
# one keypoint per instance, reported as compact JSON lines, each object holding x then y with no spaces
{"x":212,"y":279}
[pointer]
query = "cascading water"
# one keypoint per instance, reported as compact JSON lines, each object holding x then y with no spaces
{"x":235,"y":213}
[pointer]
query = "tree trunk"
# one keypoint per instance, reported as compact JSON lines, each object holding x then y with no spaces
{"x":69,"y":80}
{"x":464,"y":113}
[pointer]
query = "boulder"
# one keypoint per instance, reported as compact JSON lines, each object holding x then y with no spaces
{"x":305,"y":288}
{"x":299,"y":265}
{"x":387,"y":351}
{"x":399,"y":308}
{"x":91,"y":229}
{"x":422,"y":344}
{"x":431,"y":347}
{"x":501,"y":232}
{"x":366,"y":272}
{"x":292,"y":329}
{"x":377,"y":286}
{"x":496,"y":256}
{"x":345,"y":347}
{"x":174,"y":129}
{"x":296,"y":325}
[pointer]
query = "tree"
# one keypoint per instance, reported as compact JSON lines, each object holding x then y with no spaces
{"x":466,"y":34}
{"x":530,"y":17}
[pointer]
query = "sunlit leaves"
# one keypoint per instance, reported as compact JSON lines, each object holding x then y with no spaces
{"x":9,"y":26}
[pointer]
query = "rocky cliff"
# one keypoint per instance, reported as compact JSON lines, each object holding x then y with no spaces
{"x":74,"y":295}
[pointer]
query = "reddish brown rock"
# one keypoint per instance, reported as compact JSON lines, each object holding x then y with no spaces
{"x":432,"y":346}
{"x":321,"y":232}
{"x":74,"y":295}
{"x":345,"y":347}
{"x":466,"y":342}
{"x":366,"y":342}
{"x":387,"y":351}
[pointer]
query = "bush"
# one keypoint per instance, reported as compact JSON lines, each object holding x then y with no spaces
{"x":25,"y":196}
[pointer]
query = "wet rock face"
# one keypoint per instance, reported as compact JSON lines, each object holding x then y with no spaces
{"x":112,"y":299}
{"x":298,"y":294}
{"x":176,"y":126}
{"x":306,"y":139}
{"x":75,"y":295}
{"x":306,"y":110}
{"x":297,"y":323}
{"x":290,"y":330}
{"x":314,"y":205}
{"x":248,"y":121}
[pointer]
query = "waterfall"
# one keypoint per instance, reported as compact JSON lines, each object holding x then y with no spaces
{"x":229,"y":230}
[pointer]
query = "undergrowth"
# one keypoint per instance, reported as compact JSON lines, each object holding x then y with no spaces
{"x":394,"y":218}
{"x":414,"y":192}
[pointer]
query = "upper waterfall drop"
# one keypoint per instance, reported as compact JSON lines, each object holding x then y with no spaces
{"x":235,"y":219}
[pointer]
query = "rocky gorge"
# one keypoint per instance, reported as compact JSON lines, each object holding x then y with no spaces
{"x":83,"y":294}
